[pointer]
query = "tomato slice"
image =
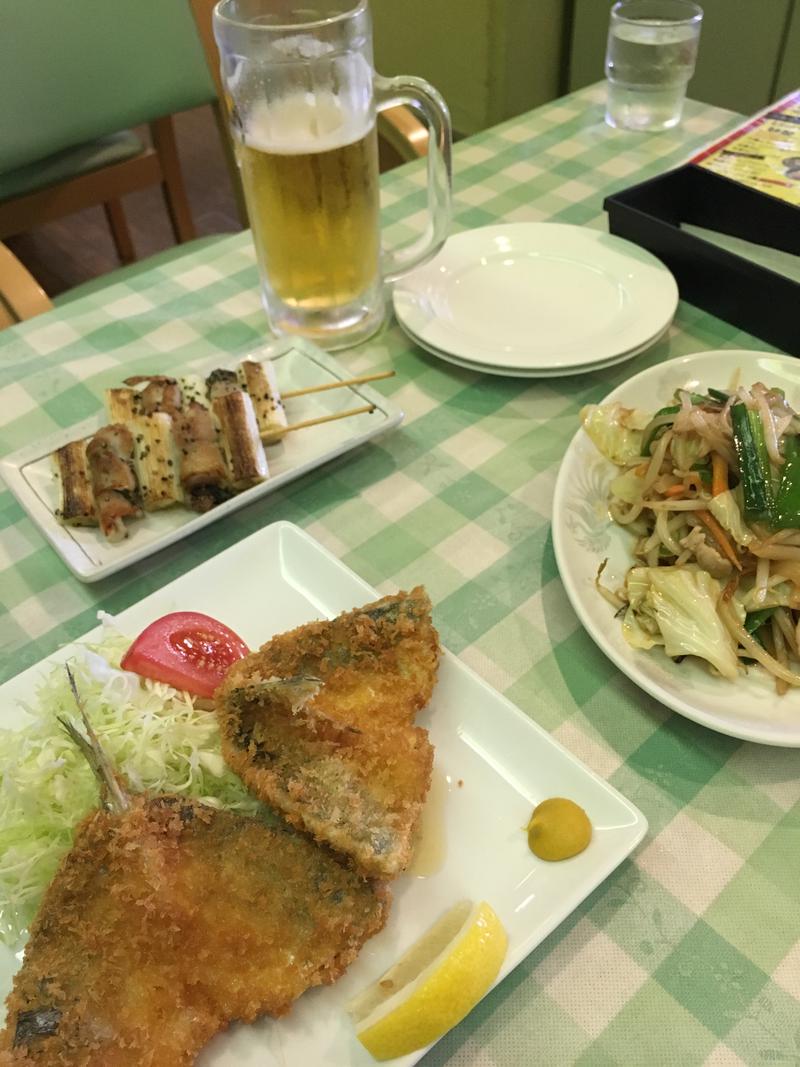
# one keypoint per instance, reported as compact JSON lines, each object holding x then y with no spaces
{"x":187,"y":650}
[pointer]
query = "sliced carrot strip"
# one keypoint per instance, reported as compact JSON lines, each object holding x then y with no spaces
{"x":719,"y":536}
{"x":719,"y":475}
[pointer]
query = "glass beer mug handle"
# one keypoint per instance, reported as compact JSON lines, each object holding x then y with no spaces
{"x":389,"y":92}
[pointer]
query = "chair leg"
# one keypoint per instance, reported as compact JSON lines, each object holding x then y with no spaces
{"x":118,"y":224}
{"x":180,"y":216}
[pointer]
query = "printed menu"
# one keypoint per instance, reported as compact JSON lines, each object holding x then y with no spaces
{"x":764,"y":153}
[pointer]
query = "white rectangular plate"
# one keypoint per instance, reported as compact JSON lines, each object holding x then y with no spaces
{"x":28,"y":473}
{"x":493,"y":762}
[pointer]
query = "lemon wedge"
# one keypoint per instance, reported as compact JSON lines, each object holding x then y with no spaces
{"x":434,"y":984}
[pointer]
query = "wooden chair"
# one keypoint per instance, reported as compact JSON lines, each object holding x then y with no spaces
{"x":64,"y":145}
{"x":21,"y":296}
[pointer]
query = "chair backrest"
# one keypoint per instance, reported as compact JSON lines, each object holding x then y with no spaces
{"x":73,"y":70}
{"x":21,"y":296}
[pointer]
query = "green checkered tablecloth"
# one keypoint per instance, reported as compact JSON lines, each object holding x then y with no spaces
{"x":690,"y":953}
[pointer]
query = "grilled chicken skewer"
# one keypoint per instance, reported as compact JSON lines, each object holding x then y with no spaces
{"x":114,"y":485}
{"x":171,"y":441}
{"x":203,"y":474}
{"x":161,"y":393}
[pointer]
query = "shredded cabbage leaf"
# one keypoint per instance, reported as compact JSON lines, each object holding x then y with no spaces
{"x":726,"y":509}
{"x":156,"y":738}
{"x":687,"y":449}
{"x":677,"y":607}
{"x":616,"y":431}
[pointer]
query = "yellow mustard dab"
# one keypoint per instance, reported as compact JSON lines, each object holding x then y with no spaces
{"x":558,"y":829}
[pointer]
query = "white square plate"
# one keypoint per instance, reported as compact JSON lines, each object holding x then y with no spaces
{"x":28,"y":472}
{"x":505,"y":761}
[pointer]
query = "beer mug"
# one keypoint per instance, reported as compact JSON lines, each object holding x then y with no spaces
{"x":302,"y":96}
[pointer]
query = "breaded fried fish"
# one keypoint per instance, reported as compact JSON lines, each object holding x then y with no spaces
{"x":319,"y":725}
{"x":167,"y":921}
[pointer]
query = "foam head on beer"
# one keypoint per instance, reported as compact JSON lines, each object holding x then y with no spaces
{"x":310,"y":174}
{"x":302,"y":122}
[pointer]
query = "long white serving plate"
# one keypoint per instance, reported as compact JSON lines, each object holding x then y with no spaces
{"x":492,"y":765}
{"x":28,"y":472}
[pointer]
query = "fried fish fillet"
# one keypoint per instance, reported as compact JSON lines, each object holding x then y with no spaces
{"x":172,"y":919}
{"x":319,"y":724}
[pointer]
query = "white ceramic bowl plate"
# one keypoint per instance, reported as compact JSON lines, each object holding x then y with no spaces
{"x":584,"y":535}
{"x":530,"y":297}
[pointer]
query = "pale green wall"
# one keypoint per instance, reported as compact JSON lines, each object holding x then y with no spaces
{"x":789,"y":71}
{"x":489,"y":58}
{"x":744,"y":54}
{"x":495,"y":58}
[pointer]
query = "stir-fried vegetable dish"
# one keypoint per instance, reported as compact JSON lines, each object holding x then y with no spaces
{"x":710,"y":487}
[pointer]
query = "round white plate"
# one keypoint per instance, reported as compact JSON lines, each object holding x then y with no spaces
{"x":537,"y":296}
{"x":584,"y":535}
{"x":510,"y":372}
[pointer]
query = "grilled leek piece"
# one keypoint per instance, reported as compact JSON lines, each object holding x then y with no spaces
{"x":121,"y":404}
{"x":72,"y":472}
{"x":194,"y":390}
{"x":157,"y":460}
{"x":220,"y":382}
{"x":241,"y":443}
{"x":261,"y":383}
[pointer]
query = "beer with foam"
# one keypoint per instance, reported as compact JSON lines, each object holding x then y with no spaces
{"x":310,"y":177}
{"x":302,"y":94}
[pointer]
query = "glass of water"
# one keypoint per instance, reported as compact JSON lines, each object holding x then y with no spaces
{"x":652,"y":48}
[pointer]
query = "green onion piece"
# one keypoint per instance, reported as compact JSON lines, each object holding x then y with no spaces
{"x":754,"y":620}
{"x":703,"y":468}
{"x":787,"y":504}
{"x":719,"y":396}
{"x":754,"y":466}
{"x":656,"y":427}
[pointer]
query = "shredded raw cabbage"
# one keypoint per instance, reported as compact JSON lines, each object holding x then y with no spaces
{"x":156,"y":737}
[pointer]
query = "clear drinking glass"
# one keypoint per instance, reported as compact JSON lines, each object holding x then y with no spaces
{"x":652,"y":48}
{"x":302,"y":96}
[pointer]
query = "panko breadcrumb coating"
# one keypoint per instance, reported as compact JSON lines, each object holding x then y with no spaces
{"x":319,"y":725}
{"x":169,"y":921}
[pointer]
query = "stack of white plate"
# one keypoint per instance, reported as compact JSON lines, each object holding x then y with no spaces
{"x":537,"y":300}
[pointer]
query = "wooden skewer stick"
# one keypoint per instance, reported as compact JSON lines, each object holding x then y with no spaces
{"x":338,"y":385}
{"x":366,"y":409}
